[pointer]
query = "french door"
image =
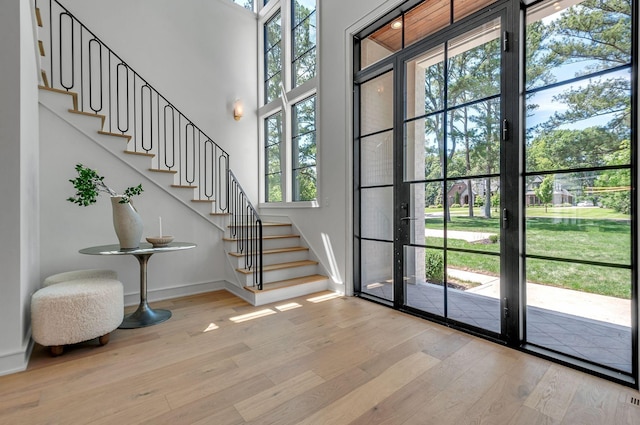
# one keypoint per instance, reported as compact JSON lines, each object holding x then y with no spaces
{"x":491,"y":193}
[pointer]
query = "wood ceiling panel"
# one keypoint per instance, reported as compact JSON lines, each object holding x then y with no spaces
{"x":426,"y":19}
{"x":464,"y":8}
{"x":423,"y":20}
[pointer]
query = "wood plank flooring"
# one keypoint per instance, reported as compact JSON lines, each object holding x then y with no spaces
{"x":321,"y":359}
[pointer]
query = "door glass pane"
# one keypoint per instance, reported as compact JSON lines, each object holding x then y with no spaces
{"x":590,"y":216}
{"x":424,"y":279}
{"x":376,"y":268}
{"x":376,"y":104}
{"x":474,"y":64}
{"x":425,"y":77}
{"x":376,"y":159}
{"x":580,"y":310}
{"x":424,"y":148}
{"x":473,"y":289}
{"x":473,"y":139}
{"x":587,"y":37}
{"x":377,"y":213}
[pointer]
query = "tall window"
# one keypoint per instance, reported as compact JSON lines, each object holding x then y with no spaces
{"x":289,"y":40}
{"x":272,"y":157}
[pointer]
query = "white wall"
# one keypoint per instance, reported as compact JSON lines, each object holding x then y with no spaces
{"x":200,"y":54}
{"x":19,"y":207}
{"x":67,"y":227}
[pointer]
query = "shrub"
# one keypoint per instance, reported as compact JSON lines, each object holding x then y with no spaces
{"x":494,"y":238}
{"x":456,"y":206}
{"x":434,"y":267}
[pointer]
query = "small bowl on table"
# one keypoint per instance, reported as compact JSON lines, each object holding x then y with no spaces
{"x":159,"y":241}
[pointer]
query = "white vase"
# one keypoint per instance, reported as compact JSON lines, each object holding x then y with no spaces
{"x":127,"y":223}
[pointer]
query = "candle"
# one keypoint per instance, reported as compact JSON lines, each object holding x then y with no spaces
{"x":160,"y":222}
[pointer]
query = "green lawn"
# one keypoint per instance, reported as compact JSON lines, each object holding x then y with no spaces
{"x":592,"y":234}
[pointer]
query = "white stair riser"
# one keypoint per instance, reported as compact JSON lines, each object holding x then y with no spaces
{"x":269,"y":231}
{"x":268,"y":259}
{"x":59,"y":102}
{"x":231,"y":246}
{"x":267,"y":297}
{"x":283,"y":274}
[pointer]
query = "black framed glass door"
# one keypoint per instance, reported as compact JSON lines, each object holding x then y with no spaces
{"x":449,"y":225}
{"x":495,"y":175}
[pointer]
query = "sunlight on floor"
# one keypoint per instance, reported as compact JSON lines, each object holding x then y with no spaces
{"x":250,"y":316}
{"x":323,"y":298}
{"x":290,"y":306}
{"x":211,"y":327}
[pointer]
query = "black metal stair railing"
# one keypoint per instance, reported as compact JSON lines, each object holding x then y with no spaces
{"x":76,"y":60}
{"x":246,"y":228}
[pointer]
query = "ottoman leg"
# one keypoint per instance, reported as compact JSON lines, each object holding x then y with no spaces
{"x":56,"y":350}
{"x":104,"y":339}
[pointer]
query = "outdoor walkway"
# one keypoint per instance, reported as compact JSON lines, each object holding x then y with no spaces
{"x":585,"y":338}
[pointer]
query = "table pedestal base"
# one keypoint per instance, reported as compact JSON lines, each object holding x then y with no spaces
{"x":144,"y":316}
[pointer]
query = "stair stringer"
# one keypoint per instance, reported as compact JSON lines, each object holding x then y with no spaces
{"x":82,"y":124}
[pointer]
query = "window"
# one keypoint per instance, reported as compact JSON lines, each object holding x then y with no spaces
{"x":304,"y":150}
{"x":247,"y":4}
{"x":303,"y":39}
{"x":272,"y":156}
{"x":272,"y":58}
{"x":289,"y":40}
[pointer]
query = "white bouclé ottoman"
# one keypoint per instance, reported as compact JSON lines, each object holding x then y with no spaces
{"x":80,"y":274}
{"x":76,"y":311}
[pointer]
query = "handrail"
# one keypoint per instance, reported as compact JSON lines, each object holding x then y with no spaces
{"x":246,"y":228}
{"x":79,"y":61}
{"x":107,"y":85}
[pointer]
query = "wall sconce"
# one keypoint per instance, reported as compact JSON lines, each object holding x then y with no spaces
{"x":238,"y":110}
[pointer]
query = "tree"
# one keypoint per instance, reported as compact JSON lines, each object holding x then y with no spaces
{"x":544,"y":192}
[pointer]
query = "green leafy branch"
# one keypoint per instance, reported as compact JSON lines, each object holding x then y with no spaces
{"x":89,"y":184}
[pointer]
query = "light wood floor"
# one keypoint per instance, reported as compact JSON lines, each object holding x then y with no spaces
{"x":332,"y":360}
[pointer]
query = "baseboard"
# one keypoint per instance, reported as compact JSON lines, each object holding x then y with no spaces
{"x":187,"y":290}
{"x":17,"y":361}
{"x":175,"y":292}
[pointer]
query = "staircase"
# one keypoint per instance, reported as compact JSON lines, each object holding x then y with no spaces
{"x":286,"y":267}
{"x":270,"y":260}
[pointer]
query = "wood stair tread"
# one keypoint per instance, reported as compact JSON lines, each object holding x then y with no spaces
{"x":282,"y":266}
{"x":264,"y":237}
{"x":183,"y":186}
{"x":159,"y":170}
{"x":107,"y":133}
{"x":209,"y":201}
{"x":150,"y":155}
{"x":273,"y":251}
{"x":89,"y":114}
{"x":287,"y":283}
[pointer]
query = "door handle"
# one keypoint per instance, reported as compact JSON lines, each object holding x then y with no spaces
{"x":407,"y":218}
